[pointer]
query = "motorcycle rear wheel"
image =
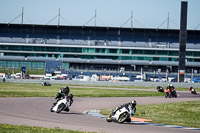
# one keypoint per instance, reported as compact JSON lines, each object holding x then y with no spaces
{"x":60,"y":108}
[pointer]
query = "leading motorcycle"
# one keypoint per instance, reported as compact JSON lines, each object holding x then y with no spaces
{"x":62,"y":104}
{"x":122,"y":115}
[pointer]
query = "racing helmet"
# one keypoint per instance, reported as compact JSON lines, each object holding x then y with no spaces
{"x":171,"y":85}
{"x":65,"y":90}
{"x":133,"y":103}
{"x":191,"y":88}
{"x":71,"y":96}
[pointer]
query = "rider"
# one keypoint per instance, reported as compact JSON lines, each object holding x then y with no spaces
{"x":131,"y":106}
{"x":192,"y":89}
{"x":62,"y":93}
{"x":159,"y":88}
{"x":172,"y":90}
{"x":71,"y":99}
{"x":168,"y":88}
{"x":172,"y":87}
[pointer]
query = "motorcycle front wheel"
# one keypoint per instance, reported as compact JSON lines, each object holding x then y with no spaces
{"x":123,"y":117}
{"x":166,"y":95}
{"x":60,"y":108}
{"x":108,"y":119}
{"x":51,"y":110}
{"x":175,"y":95}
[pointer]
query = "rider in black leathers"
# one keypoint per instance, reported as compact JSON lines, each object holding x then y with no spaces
{"x":62,"y":93}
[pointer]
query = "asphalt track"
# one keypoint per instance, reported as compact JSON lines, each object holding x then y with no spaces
{"x":33,"y":111}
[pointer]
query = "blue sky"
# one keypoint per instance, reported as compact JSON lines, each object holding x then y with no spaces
{"x":112,"y":13}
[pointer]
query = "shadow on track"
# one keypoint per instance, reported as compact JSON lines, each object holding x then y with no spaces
{"x":68,"y":113}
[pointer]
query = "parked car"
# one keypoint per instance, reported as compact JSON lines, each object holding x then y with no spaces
{"x":196,"y":80}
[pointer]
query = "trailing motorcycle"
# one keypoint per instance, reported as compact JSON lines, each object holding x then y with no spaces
{"x":62,"y":104}
{"x":122,"y":115}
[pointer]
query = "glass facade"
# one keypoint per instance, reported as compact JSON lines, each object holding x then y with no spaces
{"x":29,"y":65}
{"x":19,"y":64}
{"x":97,"y":53}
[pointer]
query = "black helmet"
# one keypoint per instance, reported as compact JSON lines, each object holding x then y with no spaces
{"x":133,"y":103}
{"x":65,"y":90}
{"x":66,"y":87}
{"x":71,"y":96}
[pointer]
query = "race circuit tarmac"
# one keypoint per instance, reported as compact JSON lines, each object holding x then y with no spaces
{"x":34,"y":111}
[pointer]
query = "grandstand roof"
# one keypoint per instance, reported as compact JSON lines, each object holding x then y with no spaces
{"x":91,"y":30}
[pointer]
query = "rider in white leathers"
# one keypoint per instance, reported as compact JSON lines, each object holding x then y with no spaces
{"x":130,"y":106}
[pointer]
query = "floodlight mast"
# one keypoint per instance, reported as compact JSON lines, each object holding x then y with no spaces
{"x":168,"y":21}
{"x":129,"y":19}
{"x":58,"y":17}
{"x":22,"y":15}
{"x":94,"y":17}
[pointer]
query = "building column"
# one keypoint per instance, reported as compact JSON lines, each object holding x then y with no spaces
{"x":182,"y":41}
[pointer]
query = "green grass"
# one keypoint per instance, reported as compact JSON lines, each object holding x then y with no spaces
{"x":5,"y":128}
{"x":181,"y":113}
{"x":37,"y":90}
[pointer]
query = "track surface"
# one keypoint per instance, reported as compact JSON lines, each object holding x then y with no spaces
{"x":35,"y":112}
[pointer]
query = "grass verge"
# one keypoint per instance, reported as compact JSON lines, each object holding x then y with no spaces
{"x":5,"y":128}
{"x":180,"y":113}
{"x":37,"y":90}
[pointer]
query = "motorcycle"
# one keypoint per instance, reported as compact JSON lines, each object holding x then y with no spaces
{"x":160,"y":89}
{"x":170,"y":94}
{"x":46,"y":83}
{"x":193,"y":91}
{"x":167,"y":93}
{"x":62,"y":104}
{"x":173,"y":93}
{"x":122,"y":115}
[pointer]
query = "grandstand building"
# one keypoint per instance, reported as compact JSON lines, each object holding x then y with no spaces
{"x":96,"y":48}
